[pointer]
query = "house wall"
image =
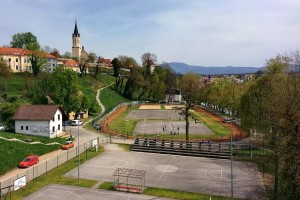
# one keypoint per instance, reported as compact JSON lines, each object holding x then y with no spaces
{"x":13,"y":61}
{"x":51,"y":64}
{"x":173,"y":98}
{"x":51,"y":129}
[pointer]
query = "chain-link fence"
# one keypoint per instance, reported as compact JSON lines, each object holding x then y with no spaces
{"x":46,"y":165}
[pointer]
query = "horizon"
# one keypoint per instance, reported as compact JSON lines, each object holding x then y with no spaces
{"x":201,"y":33}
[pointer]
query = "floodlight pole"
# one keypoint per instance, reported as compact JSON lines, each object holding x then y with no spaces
{"x":231,"y":158}
{"x":78,"y":152}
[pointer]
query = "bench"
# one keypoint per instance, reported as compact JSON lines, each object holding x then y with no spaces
{"x":129,"y":188}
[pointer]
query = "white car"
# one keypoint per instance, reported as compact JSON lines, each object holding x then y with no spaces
{"x":76,"y":122}
{"x":2,"y":127}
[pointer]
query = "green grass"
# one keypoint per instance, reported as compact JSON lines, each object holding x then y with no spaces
{"x":32,"y":138}
{"x":56,"y":176}
{"x":217,"y":128}
{"x":123,"y":126}
{"x":125,"y":147}
{"x":110,"y":98}
{"x":11,"y":153}
{"x":15,"y":86}
{"x":167,"y":193}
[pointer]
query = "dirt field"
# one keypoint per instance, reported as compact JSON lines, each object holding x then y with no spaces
{"x":149,"y":107}
{"x":170,"y":107}
{"x":237,"y":132}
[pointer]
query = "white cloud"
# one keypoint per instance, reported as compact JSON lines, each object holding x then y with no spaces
{"x":199,"y":32}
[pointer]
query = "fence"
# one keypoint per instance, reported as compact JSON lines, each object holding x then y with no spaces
{"x":46,"y":165}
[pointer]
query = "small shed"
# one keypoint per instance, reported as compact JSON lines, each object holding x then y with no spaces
{"x":129,"y":180}
{"x":39,"y":120}
{"x":173,"y":95}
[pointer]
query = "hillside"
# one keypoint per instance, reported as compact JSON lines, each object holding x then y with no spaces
{"x":182,"y":68}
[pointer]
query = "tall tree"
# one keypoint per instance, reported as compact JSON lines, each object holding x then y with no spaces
{"x":25,"y":40}
{"x":5,"y":74}
{"x":148,"y":59}
{"x":191,"y":86}
{"x":271,"y":108}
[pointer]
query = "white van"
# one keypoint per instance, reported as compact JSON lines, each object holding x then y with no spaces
{"x":76,"y":122}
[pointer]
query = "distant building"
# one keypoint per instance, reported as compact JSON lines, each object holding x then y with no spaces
{"x":173,"y":95}
{"x":19,"y":59}
{"x":40,"y":120}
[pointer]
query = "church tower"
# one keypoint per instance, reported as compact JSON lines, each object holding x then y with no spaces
{"x":76,"y":50}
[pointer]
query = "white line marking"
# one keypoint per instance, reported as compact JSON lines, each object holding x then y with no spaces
{"x":164,"y":170}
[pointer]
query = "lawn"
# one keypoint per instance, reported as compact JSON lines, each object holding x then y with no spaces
{"x":12,"y":152}
{"x":111,"y":98}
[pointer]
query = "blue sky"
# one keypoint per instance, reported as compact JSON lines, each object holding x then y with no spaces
{"x":196,"y":32}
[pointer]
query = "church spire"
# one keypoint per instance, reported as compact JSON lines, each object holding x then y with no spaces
{"x":76,"y":30}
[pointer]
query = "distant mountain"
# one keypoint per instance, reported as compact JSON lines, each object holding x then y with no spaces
{"x":182,"y":68}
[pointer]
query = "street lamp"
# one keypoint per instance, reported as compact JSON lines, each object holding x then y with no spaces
{"x":231,"y":158}
{"x":78,"y":151}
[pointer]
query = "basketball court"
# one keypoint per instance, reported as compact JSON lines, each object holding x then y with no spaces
{"x":192,"y":174}
{"x":63,"y":192}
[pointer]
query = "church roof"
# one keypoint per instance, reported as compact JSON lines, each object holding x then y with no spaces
{"x":76,"y":30}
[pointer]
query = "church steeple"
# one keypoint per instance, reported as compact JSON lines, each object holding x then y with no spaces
{"x":76,"y":49}
{"x":76,"y":30}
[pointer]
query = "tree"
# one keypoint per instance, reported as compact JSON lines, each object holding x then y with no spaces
{"x":271,"y":107}
{"x":67,"y":54}
{"x":191,"y":86}
{"x":25,"y":40}
{"x":92,"y":57}
{"x":148,"y":59}
{"x":5,"y":73}
{"x":116,"y":67}
{"x":29,"y":42}
{"x":83,"y":63}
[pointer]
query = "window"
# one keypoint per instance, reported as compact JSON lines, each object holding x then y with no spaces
{"x":22,"y":128}
{"x":53,"y":129}
{"x":17,"y":60}
{"x":58,"y":128}
{"x":17,"y":67}
{"x":26,"y":128}
{"x":30,"y":68}
{"x":9,"y":59}
{"x":53,"y":119}
{"x":58,"y":116}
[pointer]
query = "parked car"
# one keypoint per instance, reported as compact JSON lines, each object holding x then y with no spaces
{"x":29,"y":161}
{"x":2,"y":127}
{"x":76,"y":122}
{"x":67,"y":145}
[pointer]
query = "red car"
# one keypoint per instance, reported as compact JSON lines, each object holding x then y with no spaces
{"x":68,"y":144}
{"x":29,"y":161}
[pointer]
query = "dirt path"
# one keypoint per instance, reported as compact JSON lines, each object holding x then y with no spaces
{"x":237,"y":131}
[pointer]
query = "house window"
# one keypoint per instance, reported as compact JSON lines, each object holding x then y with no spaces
{"x":17,"y":67}
{"x":22,"y":128}
{"x":26,"y":128}
{"x":9,"y":59}
{"x":17,"y":60}
{"x":30,"y":68}
{"x":58,"y":128}
{"x":53,"y":129}
{"x":53,"y":119}
{"x":58,"y":117}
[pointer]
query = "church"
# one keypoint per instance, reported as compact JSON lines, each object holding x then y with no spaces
{"x":77,"y":51}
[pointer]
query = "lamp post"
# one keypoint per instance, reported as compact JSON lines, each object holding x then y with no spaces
{"x":231,"y":157}
{"x":78,"y":151}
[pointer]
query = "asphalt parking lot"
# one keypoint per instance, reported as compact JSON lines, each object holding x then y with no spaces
{"x":193,"y":174}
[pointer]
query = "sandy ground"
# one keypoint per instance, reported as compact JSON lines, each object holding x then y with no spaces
{"x":149,"y":107}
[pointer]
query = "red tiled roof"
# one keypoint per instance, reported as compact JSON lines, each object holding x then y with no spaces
{"x":71,"y":63}
{"x":22,"y":52}
{"x":11,"y":51}
{"x":36,"y":112}
{"x":104,"y":60}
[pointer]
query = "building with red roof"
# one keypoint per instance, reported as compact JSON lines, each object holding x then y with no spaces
{"x":19,"y":59}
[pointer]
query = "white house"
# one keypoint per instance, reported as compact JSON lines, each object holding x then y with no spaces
{"x":39,"y":120}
